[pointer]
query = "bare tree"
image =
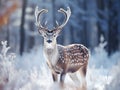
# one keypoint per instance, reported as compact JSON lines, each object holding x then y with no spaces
{"x":22,"y":30}
{"x":113,"y":30}
{"x":31,"y":39}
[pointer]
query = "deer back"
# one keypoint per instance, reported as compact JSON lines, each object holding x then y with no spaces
{"x":71,"y":57}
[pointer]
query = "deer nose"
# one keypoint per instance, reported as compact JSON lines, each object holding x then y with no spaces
{"x":49,"y":41}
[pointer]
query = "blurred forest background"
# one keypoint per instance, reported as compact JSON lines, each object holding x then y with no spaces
{"x":90,"y":19}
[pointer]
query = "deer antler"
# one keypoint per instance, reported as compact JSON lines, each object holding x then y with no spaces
{"x":67,"y":16}
{"x":37,"y":16}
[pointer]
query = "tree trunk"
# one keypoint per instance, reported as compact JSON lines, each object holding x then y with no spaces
{"x":92,"y":23}
{"x":22,"y":30}
{"x":53,"y":12}
{"x":84,"y":27}
{"x":100,"y":5}
{"x":113,"y":30}
{"x":31,"y":39}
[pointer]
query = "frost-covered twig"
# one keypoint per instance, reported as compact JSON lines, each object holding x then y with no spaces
{"x":6,"y":63}
{"x":4,"y":49}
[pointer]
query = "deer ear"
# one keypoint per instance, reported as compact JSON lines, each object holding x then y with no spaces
{"x":58,"y":30}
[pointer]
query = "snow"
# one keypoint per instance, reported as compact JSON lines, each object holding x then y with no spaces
{"x":30,"y":71}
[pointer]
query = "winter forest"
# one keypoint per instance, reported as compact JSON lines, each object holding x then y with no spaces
{"x":93,"y":23}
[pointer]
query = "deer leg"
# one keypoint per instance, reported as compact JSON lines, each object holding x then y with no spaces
{"x":83,"y":71}
{"x":74,"y":77}
{"x":62,"y":78}
{"x":55,"y":77}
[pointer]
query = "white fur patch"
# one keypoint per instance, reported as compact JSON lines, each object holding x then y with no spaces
{"x":51,"y":53}
{"x":49,"y":46}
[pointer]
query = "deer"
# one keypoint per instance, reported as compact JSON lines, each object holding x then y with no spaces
{"x":61,"y":60}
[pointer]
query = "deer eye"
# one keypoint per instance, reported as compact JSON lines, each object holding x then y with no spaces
{"x":54,"y":35}
{"x":45,"y":36}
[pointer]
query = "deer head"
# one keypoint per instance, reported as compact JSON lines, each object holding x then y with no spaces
{"x":51,"y":35}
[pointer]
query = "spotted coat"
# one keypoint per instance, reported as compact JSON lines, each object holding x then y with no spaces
{"x":71,"y":58}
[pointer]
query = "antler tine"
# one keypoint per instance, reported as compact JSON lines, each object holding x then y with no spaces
{"x":45,"y":23}
{"x":37,"y":16}
{"x":67,"y":16}
{"x":57,"y":23}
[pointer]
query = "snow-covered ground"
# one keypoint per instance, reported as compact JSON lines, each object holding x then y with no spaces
{"x":30,"y":71}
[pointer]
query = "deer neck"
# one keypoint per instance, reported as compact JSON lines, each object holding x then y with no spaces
{"x":51,"y":52}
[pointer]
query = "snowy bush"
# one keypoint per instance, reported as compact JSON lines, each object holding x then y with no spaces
{"x":30,"y":71}
{"x":6,"y":65}
{"x":100,"y":71}
{"x":22,"y":73}
{"x":115,"y":82}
